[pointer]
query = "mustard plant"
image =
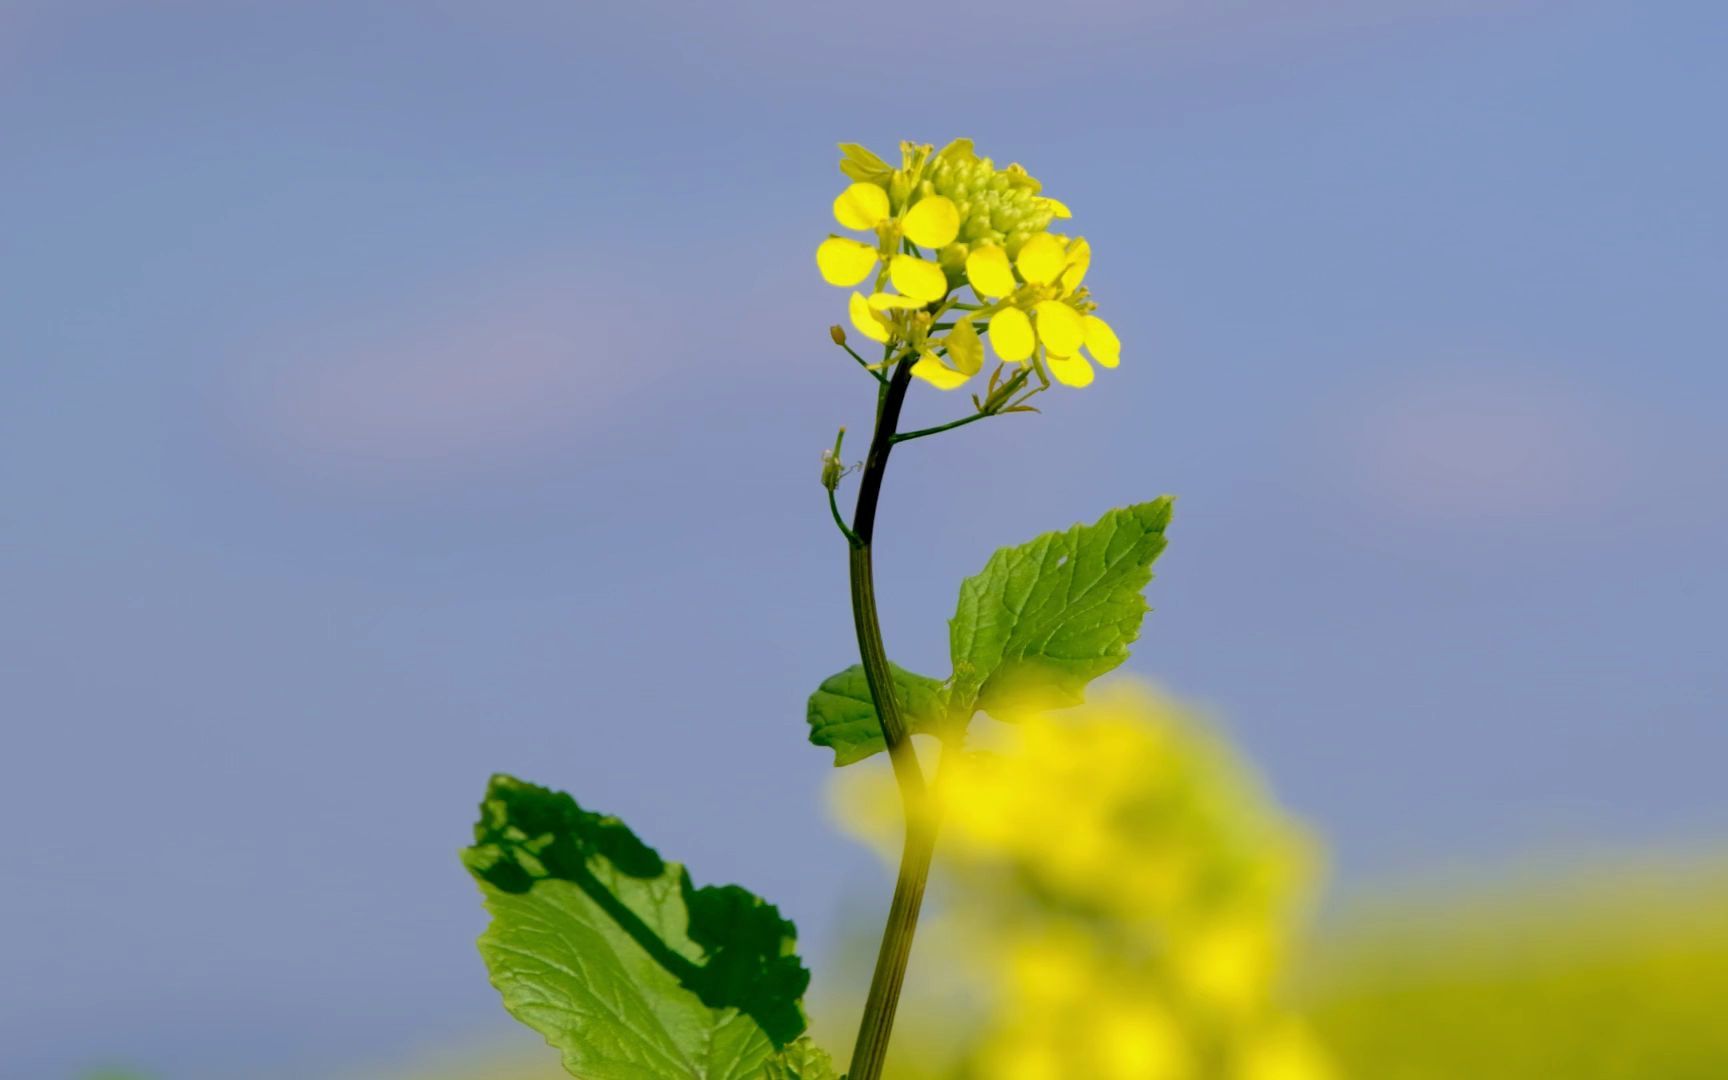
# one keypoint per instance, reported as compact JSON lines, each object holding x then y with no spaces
{"x":612,"y":953}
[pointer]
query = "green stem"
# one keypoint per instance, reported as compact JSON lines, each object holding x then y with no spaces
{"x":907,"y":436}
{"x":845,"y":529}
{"x":833,"y":469}
{"x":995,"y":401}
{"x":871,"y":1049}
{"x":863,"y":363}
{"x":877,"y":1023}
{"x":863,"y":576}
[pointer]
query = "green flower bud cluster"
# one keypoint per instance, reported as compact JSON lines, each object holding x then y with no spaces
{"x":997,"y":206}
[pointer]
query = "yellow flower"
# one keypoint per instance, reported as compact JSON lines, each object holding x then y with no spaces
{"x":949,"y":218}
{"x":1129,"y":806}
{"x":1045,"y":306}
{"x":921,"y":222}
{"x":902,"y":213}
{"x":1286,"y":1050}
{"x":964,"y":358}
{"x":1068,"y":1005}
{"x":946,"y":363}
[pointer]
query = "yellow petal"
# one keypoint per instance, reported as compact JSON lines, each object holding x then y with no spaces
{"x":1011,"y":335}
{"x":844,"y":262}
{"x":988,"y":270}
{"x":918,"y":279}
{"x":868,"y":322}
{"x":965,"y":348}
{"x":1058,"y":207}
{"x":933,"y":371}
{"x":1102,"y":342}
{"x":888,"y":302}
{"x":1059,"y":327}
{"x":1069,"y":370}
{"x":932,"y":222}
{"x":1079,"y":261}
{"x":861,"y":206}
{"x":1041,"y":259}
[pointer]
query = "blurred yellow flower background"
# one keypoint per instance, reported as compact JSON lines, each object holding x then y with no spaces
{"x":1119,"y":898}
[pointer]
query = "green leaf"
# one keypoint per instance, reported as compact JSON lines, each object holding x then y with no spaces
{"x":842,"y":714}
{"x":1045,"y":618}
{"x":619,"y":961}
{"x":803,"y":1060}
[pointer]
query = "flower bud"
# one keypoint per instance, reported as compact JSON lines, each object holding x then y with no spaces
{"x":830,"y":469}
{"x":837,"y":334}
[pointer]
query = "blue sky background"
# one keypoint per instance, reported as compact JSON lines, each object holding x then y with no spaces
{"x":392,"y":393}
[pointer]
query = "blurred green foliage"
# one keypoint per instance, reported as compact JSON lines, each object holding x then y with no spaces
{"x":1618,"y":972}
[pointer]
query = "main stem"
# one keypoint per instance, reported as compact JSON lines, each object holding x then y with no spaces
{"x":869,"y":1052}
{"x":871,"y":1049}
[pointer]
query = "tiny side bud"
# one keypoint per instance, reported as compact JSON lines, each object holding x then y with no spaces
{"x":837,"y":334}
{"x":830,"y":469}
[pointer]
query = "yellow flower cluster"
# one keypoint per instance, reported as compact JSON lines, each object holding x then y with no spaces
{"x":949,"y":218}
{"x":1072,"y":1003}
{"x":1124,"y":897}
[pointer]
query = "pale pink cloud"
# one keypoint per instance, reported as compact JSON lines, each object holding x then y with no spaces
{"x":1481,"y":446}
{"x":458,"y":378}
{"x":502,"y":370}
